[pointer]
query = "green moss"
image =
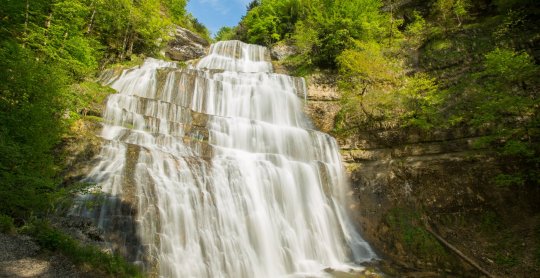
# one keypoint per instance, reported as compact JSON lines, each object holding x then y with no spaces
{"x":506,"y":260}
{"x":417,"y":240}
{"x":507,"y":249}
{"x":490,"y":223}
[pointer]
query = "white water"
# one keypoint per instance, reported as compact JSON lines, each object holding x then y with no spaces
{"x":223,"y":175}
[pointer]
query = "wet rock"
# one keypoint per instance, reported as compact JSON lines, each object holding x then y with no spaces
{"x":186,"y":45}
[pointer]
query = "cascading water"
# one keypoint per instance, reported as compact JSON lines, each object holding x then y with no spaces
{"x":213,"y":171}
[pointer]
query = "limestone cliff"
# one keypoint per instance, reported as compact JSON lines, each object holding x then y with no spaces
{"x":185,"y":45}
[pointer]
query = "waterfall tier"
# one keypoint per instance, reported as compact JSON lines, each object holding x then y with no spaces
{"x":214,"y":171}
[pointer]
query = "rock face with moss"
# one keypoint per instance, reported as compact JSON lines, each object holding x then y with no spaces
{"x":186,"y":45}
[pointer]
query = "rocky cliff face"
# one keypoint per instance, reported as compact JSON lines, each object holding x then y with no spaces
{"x":323,"y":98}
{"x":186,"y":45}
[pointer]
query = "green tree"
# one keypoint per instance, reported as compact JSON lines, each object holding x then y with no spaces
{"x":225,"y":33}
{"x":337,"y":25}
{"x":31,"y":111}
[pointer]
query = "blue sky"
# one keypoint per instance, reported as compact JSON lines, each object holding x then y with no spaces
{"x":215,"y":14}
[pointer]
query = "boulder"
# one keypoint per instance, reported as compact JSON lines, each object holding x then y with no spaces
{"x":186,"y":45}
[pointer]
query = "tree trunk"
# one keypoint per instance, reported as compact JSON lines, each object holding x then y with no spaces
{"x":124,"y":44}
{"x":47,"y":26}
{"x":130,"y":50}
{"x":48,"y":21}
{"x":26,"y":18}
{"x":456,"y":251}
{"x":91,"y":23}
{"x":391,"y":22}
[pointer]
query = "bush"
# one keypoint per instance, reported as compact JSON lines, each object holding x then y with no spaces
{"x":6,"y":224}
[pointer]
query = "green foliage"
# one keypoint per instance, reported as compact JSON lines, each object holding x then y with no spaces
{"x":506,"y":91}
{"x":197,"y":27}
{"x":366,"y":77}
{"x":512,"y":23}
{"x":337,"y":25}
{"x":416,"y":31}
{"x":377,"y":93}
{"x":225,"y":33}
{"x":503,"y":97}
{"x":31,"y":103}
{"x":320,"y":29}
{"x":450,"y":12}
{"x":87,"y":98}
{"x":504,"y":5}
{"x":176,"y":10}
{"x":422,"y":100}
{"x":270,"y":21}
{"x":54,"y":240}
{"x":7,"y":226}
{"x":490,"y":223}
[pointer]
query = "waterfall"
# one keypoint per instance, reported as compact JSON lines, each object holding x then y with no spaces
{"x":214,"y":171}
